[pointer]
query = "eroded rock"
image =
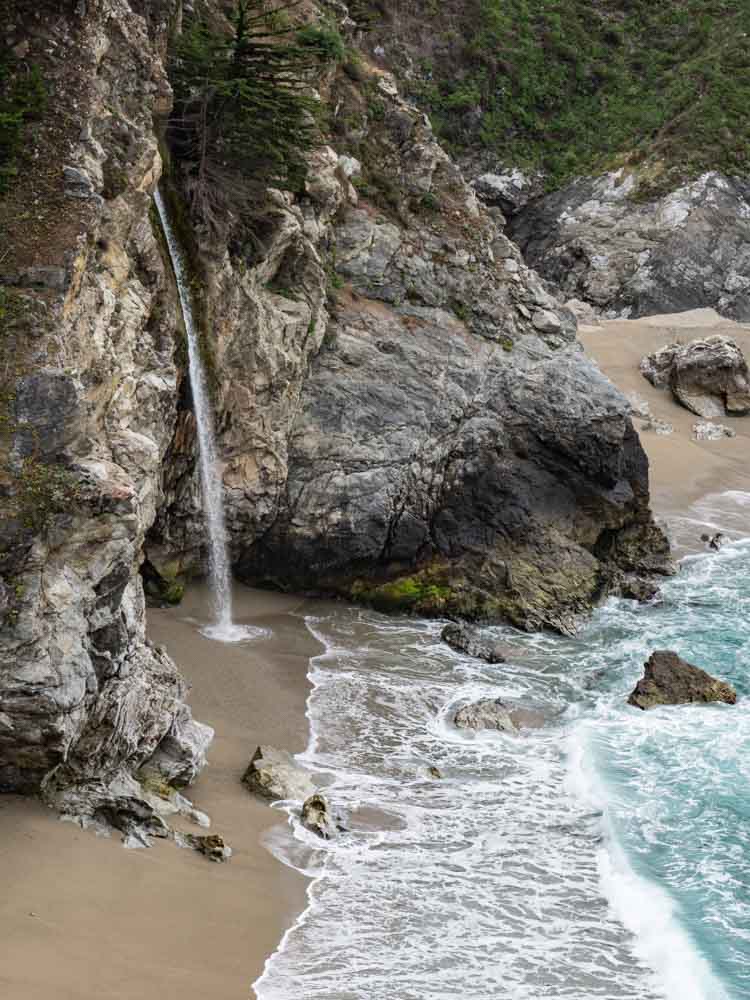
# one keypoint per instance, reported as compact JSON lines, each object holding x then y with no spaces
{"x":709,"y":377}
{"x":708,"y":431}
{"x":317,"y":817}
{"x":274,"y":774}
{"x":488,"y":713}
{"x":670,"y":680}
{"x":466,"y":639}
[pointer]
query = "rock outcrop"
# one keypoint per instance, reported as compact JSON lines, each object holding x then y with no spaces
{"x":629,"y":257}
{"x":89,"y":398}
{"x":465,"y":639}
{"x":670,"y":680}
{"x":317,"y":817}
{"x":274,"y":774}
{"x":709,"y":377}
{"x":489,"y":713}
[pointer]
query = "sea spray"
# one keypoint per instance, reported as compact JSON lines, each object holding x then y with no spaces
{"x":604,"y":856}
{"x":223,"y":628}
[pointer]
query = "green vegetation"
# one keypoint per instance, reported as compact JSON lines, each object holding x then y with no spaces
{"x":326,"y":42}
{"x":22,"y":99}
{"x":573,"y":86}
{"x":243,"y":118}
{"x":408,"y":593}
{"x":45,"y":490}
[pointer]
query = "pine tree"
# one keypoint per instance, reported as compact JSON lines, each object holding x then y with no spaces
{"x":243,"y":116}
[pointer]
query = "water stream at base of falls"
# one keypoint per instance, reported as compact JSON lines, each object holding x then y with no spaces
{"x":223,"y":628}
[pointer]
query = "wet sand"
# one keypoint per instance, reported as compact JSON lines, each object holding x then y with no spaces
{"x":82,"y":918}
{"x":682,"y":470}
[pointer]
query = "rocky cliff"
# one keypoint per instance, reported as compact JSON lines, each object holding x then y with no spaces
{"x":403,"y":412}
{"x":89,"y":390}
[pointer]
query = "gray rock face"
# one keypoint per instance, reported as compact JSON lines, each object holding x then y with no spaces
{"x":670,"y":680}
{"x":709,"y":377}
{"x":274,"y":774}
{"x":89,"y":383}
{"x":488,"y":713}
{"x":688,"y":249}
{"x":470,"y":641}
{"x":317,"y":817}
{"x":508,"y":190}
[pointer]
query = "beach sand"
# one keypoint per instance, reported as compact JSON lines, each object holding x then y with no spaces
{"x":82,"y":918}
{"x":682,"y":470}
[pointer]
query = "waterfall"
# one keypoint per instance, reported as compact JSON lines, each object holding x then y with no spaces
{"x":211,"y":485}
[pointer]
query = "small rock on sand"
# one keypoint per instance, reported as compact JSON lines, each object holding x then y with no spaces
{"x":274,"y":774}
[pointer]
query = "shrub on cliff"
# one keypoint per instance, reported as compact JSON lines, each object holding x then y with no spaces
{"x":22,"y":98}
{"x":243,"y":117}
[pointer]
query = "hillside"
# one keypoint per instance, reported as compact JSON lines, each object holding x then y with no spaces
{"x":573,"y":87}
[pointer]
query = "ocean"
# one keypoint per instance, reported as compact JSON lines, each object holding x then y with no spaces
{"x":604,"y":855}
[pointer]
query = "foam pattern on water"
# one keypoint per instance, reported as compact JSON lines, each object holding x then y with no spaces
{"x":604,"y":856}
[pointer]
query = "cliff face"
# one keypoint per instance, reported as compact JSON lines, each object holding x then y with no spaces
{"x":89,"y":401}
{"x":403,"y":412}
{"x":624,"y":122}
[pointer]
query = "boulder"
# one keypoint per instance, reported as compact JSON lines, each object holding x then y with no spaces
{"x":708,"y":431}
{"x":466,"y":639}
{"x":709,"y":377}
{"x":274,"y":774}
{"x":670,"y":680}
{"x":317,"y":817}
{"x":211,"y":845}
{"x":488,"y":713}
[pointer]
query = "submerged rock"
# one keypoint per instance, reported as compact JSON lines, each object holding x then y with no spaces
{"x":317,"y":817}
{"x":709,"y":377}
{"x":274,"y":774}
{"x":670,"y":680}
{"x":488,"y":713}
{"x":466,"y":639}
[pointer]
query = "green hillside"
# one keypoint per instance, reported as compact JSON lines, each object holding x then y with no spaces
{"x":572,"y":86}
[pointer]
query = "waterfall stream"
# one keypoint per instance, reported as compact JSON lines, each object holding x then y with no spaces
{"x":223,"y":628}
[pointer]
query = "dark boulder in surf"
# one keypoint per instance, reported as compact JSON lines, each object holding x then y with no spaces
{"x":465,"y":639}
{"x":670,"y":680}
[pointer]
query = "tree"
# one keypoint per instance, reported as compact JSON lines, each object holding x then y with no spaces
{"x":243,"y":116}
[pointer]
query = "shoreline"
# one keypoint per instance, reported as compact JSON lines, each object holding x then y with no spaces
{"x":167,"y":918}
{"x":682,"y":471}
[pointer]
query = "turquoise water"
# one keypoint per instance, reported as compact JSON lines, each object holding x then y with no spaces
{"x":606,"y":855}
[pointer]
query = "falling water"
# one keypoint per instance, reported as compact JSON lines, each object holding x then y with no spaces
{"x":223,"y":627}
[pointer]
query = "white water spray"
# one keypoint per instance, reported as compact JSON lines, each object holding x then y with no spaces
{"x":223,"y":628}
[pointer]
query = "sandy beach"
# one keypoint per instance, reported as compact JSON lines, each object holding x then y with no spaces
{"x":168,"y":923}
{"x":83,"y":918}
{"x":682,"y":470}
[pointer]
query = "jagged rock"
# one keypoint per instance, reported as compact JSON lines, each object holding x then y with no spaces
{"x":274,"y":774}
{"x":583,"y":312}
{"x":707,"y":376}
{"x":316,"y":817}
{"x":88,"y":365}
{"x":639,"y":405}
{"x":509,"y":190}
{"x":708,"y":431}
{"x":656,"y":426}
{"x":470,"y":641}
{"x":434,"y":772}
{"x":212,"y":845}
{"x":488,"y":713}
{"x":638,"y":589}
{"x":670,"y":680}
{"x":629,"y":257}
{"x":181,"y":755}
